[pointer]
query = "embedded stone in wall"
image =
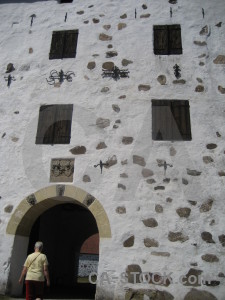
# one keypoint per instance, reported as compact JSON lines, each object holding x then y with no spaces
{"x":122,"y":97}
{"x":116,"y":108}
{"x":140,"y":294}
{"x":147,"y":172}
{"x":221,"y":89}
{"x":105,"y":89}
{"x":183,"y":212}
{"x":199,"y":43}
{"x":62,"y":170}
{"x":199,"y":89}
{"x":150,"y":222}
{"x":161,"y":79}
{"x":127,"y":140}
{"x":10,"y":68}
{"x":101,"y":145}
{"x":169,"y":200}
{"x":195,"y":294}
{"x":121,"y":210}
{"x":31,"y":50}
{"x":220,"y":59}
{"x":172,"y":1}
{"x":211,"y":258}
{"x":222,"y":239}
{"x":139,"y":160}
{"x":172,"y":151}
{"x":150,"y":181}
{"x":207,"y":237}
{"x":8,"y":209}
{"x":144,"y":87}
{"x":207,"y":159}
{"x":102,"y":123}
{"x":221,"y":275}
{"x":122,"y":26}
{"x":157,"y":253}
{"x":199,"y":80}
{"x":145,"y":16}
{"x":158,"y":208}
{"x":218,"y":134}
{"x":95,"y":20}
{"x":211,"y":146}
{"x":104,"y":37}
{"x":193,"y":172}
{"x":110,"y":46}
{"x":86,"y":178}
{"x":206,"y":206}
{"x":124,"y":175}
{"x":111,"y":161}
{"x":91,"y":65}
{"x":81,"y":12}
{"x":110,"y":54}
{"x":124,"y":162}
{"x":166,"y":180}
{"x":129,"y":242}
{"x":192,"y":273}
{"x":126,"y":62}
{"x":221,"y":173}
{"x":108,"y":65}
{"x":86,"y":21}
{"x":184,"y":181}
{"x":15,"y":139}
{"x":121,"y":186}
{"x":218,"y":24}
{"x":144,"y":6}
{"x":130,"y":273}
{"x":202,"y":55}
{"x":78,"y":150}
{"x":124,"y":16}
{"x":177,"y":236}
{"x":159,"y":187}
{"x":179,"y":81}
{"x":106,"y":27}
{"x":150,"y":243}
{"x":204,"y":30}
{"x":89,"y":199}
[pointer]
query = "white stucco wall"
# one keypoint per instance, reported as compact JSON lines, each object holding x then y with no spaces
{"x":25,"y":166}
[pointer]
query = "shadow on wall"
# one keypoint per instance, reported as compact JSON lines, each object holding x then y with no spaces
{"x":23,"y":1}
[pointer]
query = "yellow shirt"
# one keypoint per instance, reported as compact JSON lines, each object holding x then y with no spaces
{"x":35,"y":263}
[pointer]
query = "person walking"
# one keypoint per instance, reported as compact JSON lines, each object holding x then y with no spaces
{"x":36,"y":270}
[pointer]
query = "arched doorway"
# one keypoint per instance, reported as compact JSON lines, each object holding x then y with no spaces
{"x":63,"y":217}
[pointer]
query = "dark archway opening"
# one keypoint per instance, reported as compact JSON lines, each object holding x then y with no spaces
{"x":63,"y":229}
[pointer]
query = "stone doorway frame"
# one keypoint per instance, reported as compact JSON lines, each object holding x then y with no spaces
{"x":34,"y":205}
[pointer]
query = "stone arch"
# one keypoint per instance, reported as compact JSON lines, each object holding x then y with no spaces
{"x":35,"y":204}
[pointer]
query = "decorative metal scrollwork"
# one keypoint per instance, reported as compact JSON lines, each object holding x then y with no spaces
{"x":9,"y":79}
{"x":177,"y":71}
{"x":60,"y":76}
{"x":115,"y":73}
{"x":101,"y":164}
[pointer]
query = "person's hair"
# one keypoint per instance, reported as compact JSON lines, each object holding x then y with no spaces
{"x":38,"y":245}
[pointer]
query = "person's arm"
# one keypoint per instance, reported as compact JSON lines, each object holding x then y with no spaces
{"x":46,"y":273}
{"x":23,"y":273}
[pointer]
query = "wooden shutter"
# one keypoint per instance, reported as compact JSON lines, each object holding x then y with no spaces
{"x":161,"y":120}
{"x":45,"y":131}
{"x":175,"y":42}
{"x":57,"y":45}
{"x":54,"y":124}
{"x":182,"y":125}
{"x":70,"y":44}
{"x":160,"y":40}
{"x":62,"y":128}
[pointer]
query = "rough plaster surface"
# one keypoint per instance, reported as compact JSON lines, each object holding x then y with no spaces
{"x":25,"y":167}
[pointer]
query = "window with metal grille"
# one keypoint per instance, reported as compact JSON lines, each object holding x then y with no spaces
{"x":167,"y":39}
{"x":64,"y":44}
{"x":171,"y":120}
{"x":54,"y":124}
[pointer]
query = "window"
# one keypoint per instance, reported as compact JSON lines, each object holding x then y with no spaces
{"x":65,"y":1}
{"x":171,"y":120}
{"x":64,"y":44}
{"x":54,"y":124}
{"x":167,"y":39}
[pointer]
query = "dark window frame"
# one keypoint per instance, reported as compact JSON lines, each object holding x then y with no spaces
{"x":63,"y":44}
{"x":171,"y":120}
{"x":54,"y":124}
{"x":167,"y":39}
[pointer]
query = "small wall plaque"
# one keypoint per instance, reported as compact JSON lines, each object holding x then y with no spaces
{"x":62,"y":170}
